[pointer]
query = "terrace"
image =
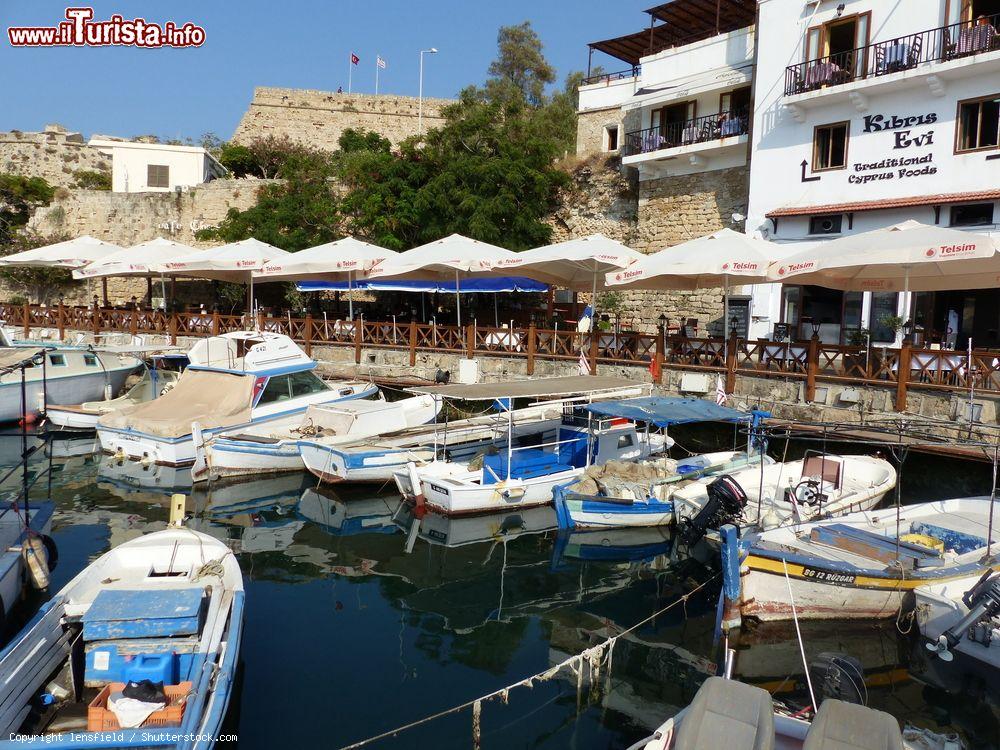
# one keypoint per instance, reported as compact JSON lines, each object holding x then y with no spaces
{"x":958,"y":44}
{"x":660,"y":141}
{"x":810,"y":362}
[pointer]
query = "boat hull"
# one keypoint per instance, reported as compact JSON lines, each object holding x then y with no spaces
{"x":578,"y":512}
{"x":58,"y":390}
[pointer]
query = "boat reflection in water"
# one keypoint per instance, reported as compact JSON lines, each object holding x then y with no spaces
{"x":347,"y":511}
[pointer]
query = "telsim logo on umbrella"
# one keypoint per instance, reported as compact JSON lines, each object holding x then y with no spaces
{"x":951,"y":250}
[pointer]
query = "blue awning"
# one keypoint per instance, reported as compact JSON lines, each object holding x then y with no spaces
{"x":663,"y":411}
{"x":466,"y":286}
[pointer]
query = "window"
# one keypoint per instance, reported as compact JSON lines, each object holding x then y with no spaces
{"x":157,"y":175}
{"x":826,"y":224}
{"x":625,"y":441}
{"x":284,"y":387}
{"x":57,"y":360}
{"x":90,"y":360}
{"x":972,"y":215}
{"x":305,"y":383}
{"x":978,"y":124}
{"x":611,"y":137}
{"x":830,"y":146}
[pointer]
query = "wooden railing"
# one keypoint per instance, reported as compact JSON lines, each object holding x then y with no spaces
{"x":811,"y":361}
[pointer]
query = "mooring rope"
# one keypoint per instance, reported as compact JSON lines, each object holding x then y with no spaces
{"x":590,"y":656}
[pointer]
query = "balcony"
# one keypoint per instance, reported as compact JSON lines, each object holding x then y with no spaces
{"x":700,"y":130}
{"x":940,"y":45}
{"x":618,"y":75}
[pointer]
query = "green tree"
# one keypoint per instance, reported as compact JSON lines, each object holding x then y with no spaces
{"x":19,"y":197}
{"x":301,"y":211}
{"x":89,"y":179}
{"x":520,"y":66}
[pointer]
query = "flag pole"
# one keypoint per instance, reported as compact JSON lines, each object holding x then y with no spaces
{"x":376,"y":74}
{"x":350,"y":71}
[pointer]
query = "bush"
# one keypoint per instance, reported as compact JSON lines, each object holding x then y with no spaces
{"x":88,"y":179}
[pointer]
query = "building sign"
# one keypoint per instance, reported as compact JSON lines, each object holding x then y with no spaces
{"x":904,"y":138}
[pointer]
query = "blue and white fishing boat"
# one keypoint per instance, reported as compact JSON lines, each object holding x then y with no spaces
{"x":523,"y":476}
{"x":272,"y":446}
{"x":638,"y":494}
{"x":166,"y":607}
{"x":234,"y":381}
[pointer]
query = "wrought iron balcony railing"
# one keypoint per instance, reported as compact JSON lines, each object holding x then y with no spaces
{"x":688,"y":132}
{"x":894,"y":55}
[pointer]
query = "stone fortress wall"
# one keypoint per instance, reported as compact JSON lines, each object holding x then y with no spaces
{"x":53,"y":154}
{"x":317,"y":118}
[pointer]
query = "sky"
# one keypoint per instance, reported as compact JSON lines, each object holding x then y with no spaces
{"x":183,"y":93}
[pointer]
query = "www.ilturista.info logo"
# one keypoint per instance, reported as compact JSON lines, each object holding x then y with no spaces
{"x":80,"y":30}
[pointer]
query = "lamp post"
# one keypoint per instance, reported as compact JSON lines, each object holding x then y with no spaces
{"x":420,"y":95}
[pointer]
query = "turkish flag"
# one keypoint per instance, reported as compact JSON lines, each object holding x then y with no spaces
{"x":355,"y":59}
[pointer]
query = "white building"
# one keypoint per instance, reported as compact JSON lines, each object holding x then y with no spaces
{"x":684,"y":104}
{"x":868,"y":113}
{"x":156,"y":167}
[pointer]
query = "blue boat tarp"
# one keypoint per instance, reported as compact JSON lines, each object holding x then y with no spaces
{"x":465,"y":286}
{"x":663,"y":411}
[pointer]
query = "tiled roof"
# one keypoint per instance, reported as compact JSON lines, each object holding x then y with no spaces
{"x":918,"y":200}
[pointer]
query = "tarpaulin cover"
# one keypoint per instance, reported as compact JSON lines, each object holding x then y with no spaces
{"x":466,"y":285}
{"x":663,"y":411}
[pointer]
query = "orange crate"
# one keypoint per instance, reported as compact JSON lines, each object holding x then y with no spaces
{"x":100,"y":718}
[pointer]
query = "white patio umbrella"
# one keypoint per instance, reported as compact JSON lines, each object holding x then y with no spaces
{"x":714,"y":260}
{"x":68,"y":254}
{"x":233,"y":262}
{"x":333,"y":261}
{"x":446,"y":259}
{"x":136,"y":261}
{"x":579,"y":264}
{"x":909,"y":257}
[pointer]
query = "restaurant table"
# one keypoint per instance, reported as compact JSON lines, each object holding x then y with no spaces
{"x":504,"y":340}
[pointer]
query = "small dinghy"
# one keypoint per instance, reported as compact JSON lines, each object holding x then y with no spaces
{"x":962,"y":616}
{"x":818,"y":486}
{"x":862,"y":565}
{"x":138,"y":650}
{"x":733,"y":715}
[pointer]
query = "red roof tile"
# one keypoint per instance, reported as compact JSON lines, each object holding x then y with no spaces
{"x":919,"y":200}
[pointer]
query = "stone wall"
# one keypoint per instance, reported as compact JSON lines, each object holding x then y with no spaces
{"x":590,"y":127}
{"x":649,"y":216}
{"x":127,"y":219}
{"x":317,"y":118}
{"x":54,"y":154}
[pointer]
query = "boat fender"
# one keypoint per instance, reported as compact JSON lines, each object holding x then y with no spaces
{"x":167,"y":388}
{"x":108,"y":394}
{"x":36,"y":562}
{"x":416,"y":488}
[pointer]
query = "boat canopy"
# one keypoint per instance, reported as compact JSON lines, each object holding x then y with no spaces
{"x":211,"y":398}
{"x":663,"y":411}
{"x":13,"y":357}
{"x":571,"y":385}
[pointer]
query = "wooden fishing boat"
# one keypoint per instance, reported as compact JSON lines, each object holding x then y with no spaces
{"x":273,"y":446}
{"x":165,"y":607}
{"x":864,"y":564}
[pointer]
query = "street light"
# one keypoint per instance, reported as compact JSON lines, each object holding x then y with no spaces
{"x":420,"y":106}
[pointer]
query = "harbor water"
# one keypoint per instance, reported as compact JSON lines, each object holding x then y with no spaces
{"x":349,"y":635}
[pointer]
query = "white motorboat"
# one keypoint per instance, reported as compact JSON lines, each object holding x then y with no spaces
{"x":962,"y":616}
{"x":159,"y":377}
{"x":862,"y":565}
{"x":272,"y":446}
{"x":376,"y":460}
{"x":165,"y":607}
{"x":62,"y":375}
{"x":776,"y":494}
{"x":234,"y":381}
{"x":524,"y":476}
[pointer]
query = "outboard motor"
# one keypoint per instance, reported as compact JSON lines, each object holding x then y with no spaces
{"x":726,"y":500}
{"x":838,"y":676}
{"x":983,"y":601}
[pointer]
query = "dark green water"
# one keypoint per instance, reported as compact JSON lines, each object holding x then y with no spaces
{"x":348,"y":635}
